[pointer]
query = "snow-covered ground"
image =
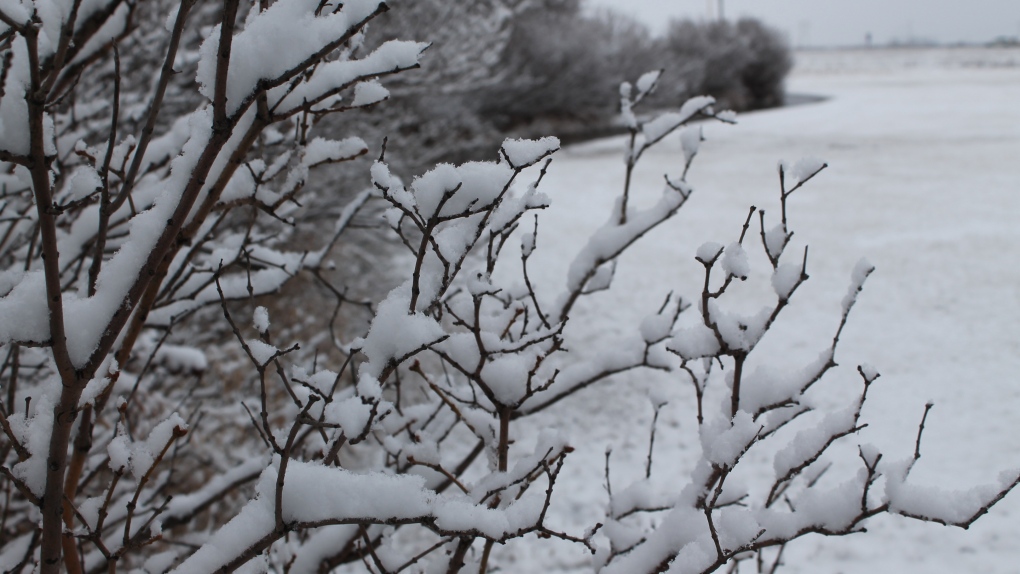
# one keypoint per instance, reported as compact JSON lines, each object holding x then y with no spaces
{"x":924,"y":149}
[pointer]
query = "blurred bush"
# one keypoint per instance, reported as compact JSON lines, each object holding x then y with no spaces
{"x":530,"y":68}
{"x":741,"y":63}
{"x":562,"y":67}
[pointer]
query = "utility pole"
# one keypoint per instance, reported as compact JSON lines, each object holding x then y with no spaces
{"x":714,"y":8}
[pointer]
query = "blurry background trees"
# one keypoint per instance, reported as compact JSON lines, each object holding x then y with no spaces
{"x":551,"y":67}
{"x":562,"y":65}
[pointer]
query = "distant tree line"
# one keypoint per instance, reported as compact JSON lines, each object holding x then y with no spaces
{"x":564,"y":65}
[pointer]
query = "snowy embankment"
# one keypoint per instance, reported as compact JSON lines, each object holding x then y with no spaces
{"x":924,"y":181}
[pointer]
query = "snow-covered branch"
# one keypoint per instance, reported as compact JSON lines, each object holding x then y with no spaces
{"x":145,"y":220}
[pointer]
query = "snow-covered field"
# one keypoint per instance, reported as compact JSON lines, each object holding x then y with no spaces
{"x":924,"y":181}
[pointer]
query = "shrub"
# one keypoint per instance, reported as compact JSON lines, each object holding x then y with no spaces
{"x":557,"y":64}
{"x":125,"y":223}
{"x":743,"y":63}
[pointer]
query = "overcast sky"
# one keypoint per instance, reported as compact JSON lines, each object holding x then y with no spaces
{"x":847,"y":22}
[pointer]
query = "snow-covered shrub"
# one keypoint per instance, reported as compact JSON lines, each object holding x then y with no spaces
{"x":117,"y":453}
{"x":118,"y":226}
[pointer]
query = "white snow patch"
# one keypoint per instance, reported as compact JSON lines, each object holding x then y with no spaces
{"x":524,"y":152}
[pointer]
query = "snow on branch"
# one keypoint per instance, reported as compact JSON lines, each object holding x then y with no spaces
{"x":143,"y":429}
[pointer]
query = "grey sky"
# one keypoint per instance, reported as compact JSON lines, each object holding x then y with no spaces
{"x":845,"y":22}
